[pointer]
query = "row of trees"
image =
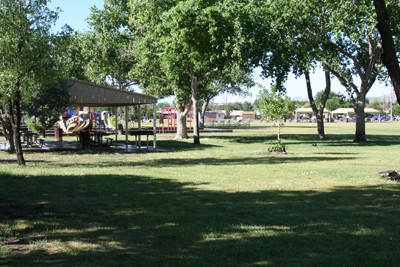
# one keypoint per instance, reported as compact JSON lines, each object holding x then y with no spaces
{"x":191,"y":49}
{"x":337,"y":100}
{"x":194,"y":49}
{"x":334,"y":101}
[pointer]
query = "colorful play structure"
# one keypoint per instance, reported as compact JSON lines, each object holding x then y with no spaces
{"x":90,"y":119}
{"x":84,"y":119}
{"x":167,"y":121}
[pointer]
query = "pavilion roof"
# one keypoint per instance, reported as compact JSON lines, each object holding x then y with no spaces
{"x":351,"y":110}
{"x":83,"y":93}
{"x":308,"y":110}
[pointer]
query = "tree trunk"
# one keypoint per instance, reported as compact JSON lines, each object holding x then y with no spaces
{"x":389,"y":55}
{"x":15,"y":120}
{"x":357,"y":96}
{"x":8,"y":134}
{"x":360,"y":122}
{"x":194,"y":88}
{"x":181,"y":116}
{"x":320,"y":124}
{"x":203,"y":111}
{"x":204,"y":108}
{"x":316,"y":112}
{"x":10,"y":140}
{"x":279,"y":131}
{"x":181,"y":127}
{"x":18,"y":148}
{"x":319,"y":112}
{"x":196,"y":128}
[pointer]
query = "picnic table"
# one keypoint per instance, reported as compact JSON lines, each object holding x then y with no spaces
{"x":98,"y":137}
{"x":29,"y":138}
{"x":138,"y":134}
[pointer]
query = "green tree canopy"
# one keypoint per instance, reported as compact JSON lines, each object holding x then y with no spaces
{"x":184,"y":46}
{"x":377,"y":104}
{"x":335,"y":100}
{"x":339,"y":35}
{"x":28,"y":64}
{"x":106,"y":48}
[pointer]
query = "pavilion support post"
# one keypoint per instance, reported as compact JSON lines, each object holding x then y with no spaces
{"x":154,"y":126}
{"x":139,"y":126}
{"x":116,"y":125}
{"x":126,"y":128}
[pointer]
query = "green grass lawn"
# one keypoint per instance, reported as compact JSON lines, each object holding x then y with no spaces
{"x":226,"y":202}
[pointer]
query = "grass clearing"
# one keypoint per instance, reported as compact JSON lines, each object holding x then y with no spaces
{"x":224,"y":203}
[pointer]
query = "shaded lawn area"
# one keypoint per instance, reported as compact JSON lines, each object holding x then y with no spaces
{"x":137,"y":221}
{"x":227,"y":204}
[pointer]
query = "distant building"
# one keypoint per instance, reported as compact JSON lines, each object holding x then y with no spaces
{"x":236,"y":114}
{"x":301,"y":113}
{"x":249,"y":115}
{"x":243,"y":115}
{"x":211,"y":116}
{"x":347,"y":114}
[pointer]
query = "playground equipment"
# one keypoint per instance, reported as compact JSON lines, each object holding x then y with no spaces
{"x":78,"y":123}
{"x":105,"y":118}
{"x":167,"y":121}
{"x":73,"y":124}
{"x":85,"y":120}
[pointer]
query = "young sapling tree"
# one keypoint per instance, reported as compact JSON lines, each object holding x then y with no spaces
{"x":275,"y":106}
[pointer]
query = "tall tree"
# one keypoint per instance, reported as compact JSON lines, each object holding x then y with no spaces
{"x":27,"y":64}
{"x":191,"y":42}
{"x":107,"y":47}
{"x":146,"y":21}
{"x":292,"y":43}
{"x":340,"y":35}
{"x":355,"y":44}
{"x":69,"y":47}
{"x":319,"y":108}
{"x":389,"y":54}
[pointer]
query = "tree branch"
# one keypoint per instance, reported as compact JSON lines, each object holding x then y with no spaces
{"x":350,"y":87}
{"x":357,"y":65}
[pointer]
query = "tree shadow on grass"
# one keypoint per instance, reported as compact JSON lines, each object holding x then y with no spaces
{"x":286,"y":138}
{"x":7,"y":161}
{"x":183,"y":145}
{"x":251,"y":139}
{"x":330,"y":140}
{"x":169,"y":145}
{"x":372,"y":140}
{"x":140,"y":221}
{"x":266,"y":159}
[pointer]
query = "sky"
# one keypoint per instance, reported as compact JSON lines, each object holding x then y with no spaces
{"x":75,"y":12}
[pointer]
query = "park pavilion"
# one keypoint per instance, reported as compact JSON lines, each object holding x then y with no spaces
{"x":87,"y":94}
